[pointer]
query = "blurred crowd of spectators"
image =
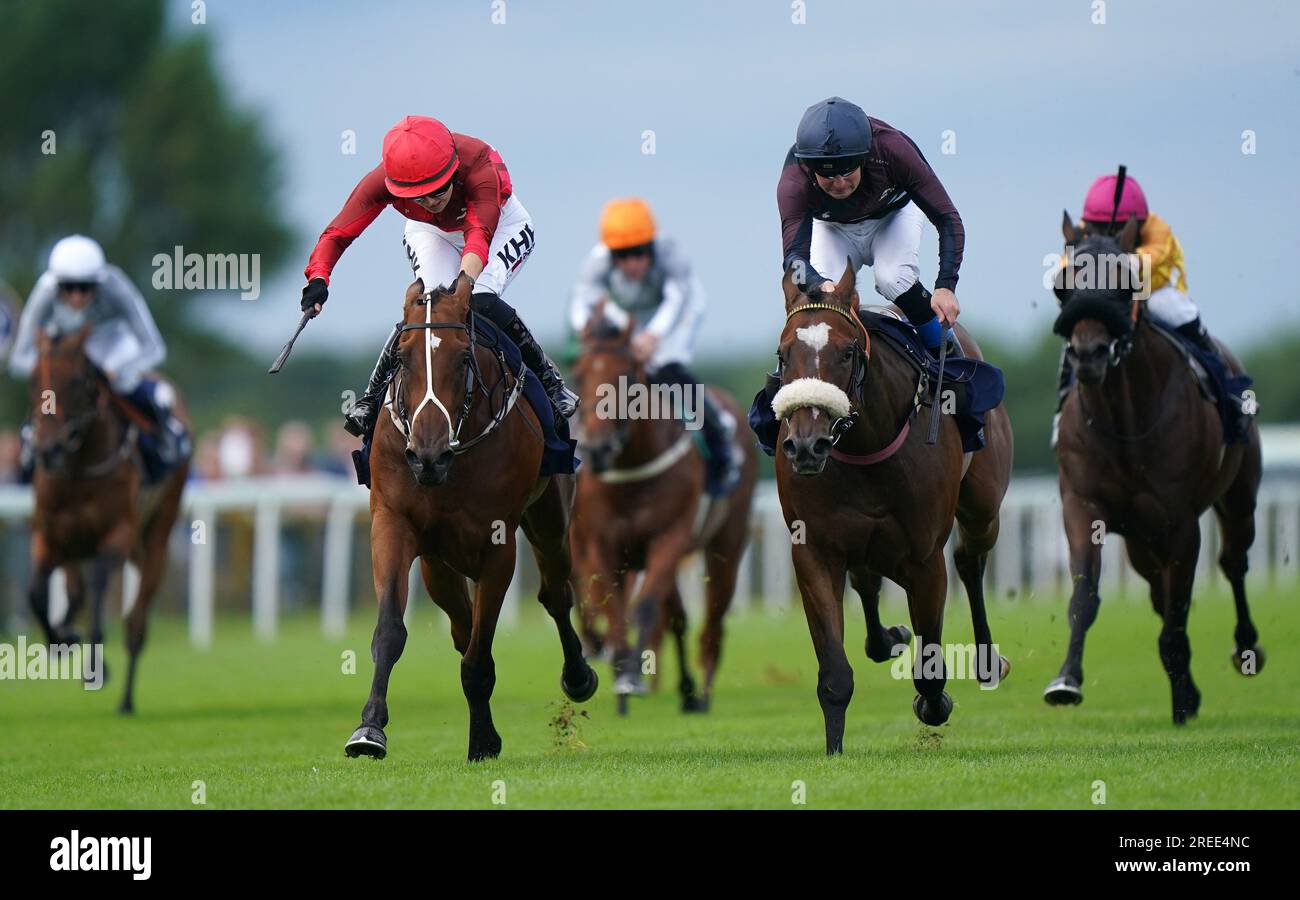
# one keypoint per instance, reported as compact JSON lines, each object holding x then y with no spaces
{"x":240,"y":449}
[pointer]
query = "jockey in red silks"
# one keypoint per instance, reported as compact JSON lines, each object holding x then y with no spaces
{"x":462,"y":217}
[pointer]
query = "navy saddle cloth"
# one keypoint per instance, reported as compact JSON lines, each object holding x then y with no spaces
{"x":558,"y":454}
{"x":980,"y":386}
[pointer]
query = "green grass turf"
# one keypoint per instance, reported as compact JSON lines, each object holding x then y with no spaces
{"x":263,"y":724}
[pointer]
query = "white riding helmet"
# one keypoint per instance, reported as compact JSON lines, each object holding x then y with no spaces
{"x":77,"y":258}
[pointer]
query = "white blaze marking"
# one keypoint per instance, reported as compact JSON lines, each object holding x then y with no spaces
{"x":815,"y":337}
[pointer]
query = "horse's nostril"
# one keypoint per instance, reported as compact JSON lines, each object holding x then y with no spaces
{"x":822,"y":446}
{"x":788,"y":448}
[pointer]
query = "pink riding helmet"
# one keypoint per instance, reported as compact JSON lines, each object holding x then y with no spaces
{"x":1101,"y":198}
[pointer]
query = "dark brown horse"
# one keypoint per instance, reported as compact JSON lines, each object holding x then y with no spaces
{"x":89,"y":504}
{"x":641,"y":507}
{"x":1141,"y":454}
{"x":864,"y":495}
{"x":457,"y":511}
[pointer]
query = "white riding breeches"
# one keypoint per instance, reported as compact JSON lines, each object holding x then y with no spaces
{"x":890,"y":245}
{"x":435,"y":254}
{"x":1172,"y":307}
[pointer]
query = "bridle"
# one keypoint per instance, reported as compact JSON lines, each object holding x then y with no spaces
{"x":618,"y":438}
{"x":72,"y":433}
{"x":474,"y":382}
{"x":842,"y":425}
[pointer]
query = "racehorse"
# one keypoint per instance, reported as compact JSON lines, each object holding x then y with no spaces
{"x":640,"y":507}
{"x":1141,"y":454}
{"x":89,"y":501}
{"x":458,"y":511}
{"x":864,"y":494}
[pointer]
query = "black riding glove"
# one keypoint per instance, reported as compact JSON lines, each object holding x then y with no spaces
{"x":315,"y":292}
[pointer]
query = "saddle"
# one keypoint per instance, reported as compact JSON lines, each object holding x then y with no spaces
{"x":977,"y":386}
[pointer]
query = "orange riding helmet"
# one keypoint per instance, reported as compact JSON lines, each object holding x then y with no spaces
{"x":626,"y":223}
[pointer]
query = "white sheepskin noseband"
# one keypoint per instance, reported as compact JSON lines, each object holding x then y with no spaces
{"x":810,"y":392}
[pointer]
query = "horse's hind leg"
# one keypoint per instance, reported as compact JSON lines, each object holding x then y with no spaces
{"x":545,"y":524}
{"x":478,"y":674}
{"x":974,"y":541}
{"x":75,"y":587}
{"x":393,"y":549}
{"x":150,"y":555}
{"x":1236,"y":513}
{"x":38,"y":592}
{"x":722,"y":561}
{"x":675,"y":612}
{"x":883,"y":644}
{"x":1175,"y":648}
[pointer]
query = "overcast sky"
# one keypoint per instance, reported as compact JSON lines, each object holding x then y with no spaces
{"x":1040,"y":99}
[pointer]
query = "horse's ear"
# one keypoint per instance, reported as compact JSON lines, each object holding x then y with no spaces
{"x":790,"y":288}
{"x":846,"y":289}
{"x":1068,"y":231}
{"x":463,"y":287}
{"x":79,"y":337}
{"x":596,"y":318}
{"x":625,"y":334}
{"x":414,"y":290}
{"x":1128,"y":235}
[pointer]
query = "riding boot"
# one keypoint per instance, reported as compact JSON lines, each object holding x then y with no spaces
{"x":564,"y":400}
{"x":26,"y":454}
{"x":359,"y":420}
{"x":915,"y":304}
{"x":170,"y":439}
{"x":1195,"y":332}
{"x":723,"y":469}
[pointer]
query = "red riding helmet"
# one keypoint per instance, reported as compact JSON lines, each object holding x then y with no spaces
{"x":419,"y":157}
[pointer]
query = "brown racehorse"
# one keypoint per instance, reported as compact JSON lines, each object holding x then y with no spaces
{"x":1141,"y":454}
{"x":640,"y":509}
{"x":865,"y":495}
{"x":458,"y":514}
{"x":89,"y":503}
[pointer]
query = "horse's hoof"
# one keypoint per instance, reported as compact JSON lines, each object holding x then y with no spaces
{"x":489,"y":749}
{"x":932,"y":714}
{"x":584,"y":692}
{"x":625,"y":685}
{"x":367,"y":740}
{"x":1188,"y":709}
{"x":695,"y":704}
{"x":1063,"y":692}
{"x":897,"y":640}
{"x":126,"y":709}
{"x":622,"y":704}
{"x":1004,"y":669}
{"x":1251,"y":664}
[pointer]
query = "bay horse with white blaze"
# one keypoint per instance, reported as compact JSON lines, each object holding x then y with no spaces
{"x":90,"y":504}
{"x":865,"y":495}
{"x":642,"y":507}
{"x":1141,"y":452}
{"x":458,"y":511}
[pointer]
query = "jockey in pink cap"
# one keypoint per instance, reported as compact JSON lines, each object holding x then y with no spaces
{"x":1168,"y":303}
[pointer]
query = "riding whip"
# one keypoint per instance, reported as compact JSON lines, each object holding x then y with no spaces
{"x":1120,"y":176}
{"x":938,"y":387}
{"x":284,"y":352}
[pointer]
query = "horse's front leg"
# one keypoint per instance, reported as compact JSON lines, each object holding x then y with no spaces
{"x":1175,"y":648}
{"x":477,"y":668}
{"x":1081,"y":521}
{"x":926,"y":594}
{"x":883,"y":644}
{"x":663,"y":556}
{"x":38,"y":592}
{"x":393,"y":549}
{"x":821,"y":585}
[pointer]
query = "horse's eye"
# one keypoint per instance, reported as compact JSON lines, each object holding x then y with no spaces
{"x":848,"y":353}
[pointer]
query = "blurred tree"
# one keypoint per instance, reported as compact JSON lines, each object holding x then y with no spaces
{"x":120,"y":128}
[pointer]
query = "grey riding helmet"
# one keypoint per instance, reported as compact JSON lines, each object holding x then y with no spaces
{"x":833,"y":138}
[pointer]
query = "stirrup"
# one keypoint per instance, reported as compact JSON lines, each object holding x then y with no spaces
{"x":359,"y":420}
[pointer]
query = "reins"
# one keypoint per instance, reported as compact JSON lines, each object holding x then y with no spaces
{"x":474,"y":383}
